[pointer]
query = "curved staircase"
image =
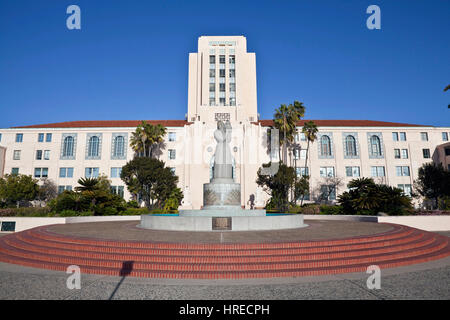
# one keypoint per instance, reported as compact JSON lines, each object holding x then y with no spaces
{"x":401,"y":246}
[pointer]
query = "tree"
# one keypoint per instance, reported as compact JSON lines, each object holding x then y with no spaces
{"x":151,"y":180}
{"x":147,"y":138}
{"x":18,"y":187}
{"x":285,"y":120}
{"x":368,"y":198}
{"x":433,"y":182}
{"x":47,"y":191}
{"x":279,"y":185}
{"x":310,"y":130}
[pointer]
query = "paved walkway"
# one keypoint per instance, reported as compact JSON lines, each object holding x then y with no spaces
{"x":423,"y":281}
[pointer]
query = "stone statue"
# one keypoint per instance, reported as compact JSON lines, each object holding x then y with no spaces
{"x":223,"y":168}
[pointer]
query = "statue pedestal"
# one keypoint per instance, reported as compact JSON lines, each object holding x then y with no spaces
{"x":221,"y":194}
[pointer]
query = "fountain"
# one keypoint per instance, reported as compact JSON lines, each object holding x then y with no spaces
{"x":222,"y":201}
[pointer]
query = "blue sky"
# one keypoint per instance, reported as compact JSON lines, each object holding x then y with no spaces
{"x":130,"y":58}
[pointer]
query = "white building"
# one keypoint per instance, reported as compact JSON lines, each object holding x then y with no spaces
{"x":222,"y":85}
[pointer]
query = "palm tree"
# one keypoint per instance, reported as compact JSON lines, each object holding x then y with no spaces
{"x":87,"y":184}
{"x":285,"y":120}
{"x":310,"y":130}
{"x":146,"y":137}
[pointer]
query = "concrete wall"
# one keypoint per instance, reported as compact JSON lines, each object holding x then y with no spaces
{"x":428,"y":223}
{"x":25,"y":223}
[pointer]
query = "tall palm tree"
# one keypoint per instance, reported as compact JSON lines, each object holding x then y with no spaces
{"x":310,"y":130}
{"x":146,"y":137}
{"x":285,"y":120}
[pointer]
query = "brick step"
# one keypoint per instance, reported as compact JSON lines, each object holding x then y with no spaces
{"x":230,"y":275}
{"x":42,"y":233}
{"x":27,"y":244}
{"x":434,"y":246}
{"x":28,"y":238}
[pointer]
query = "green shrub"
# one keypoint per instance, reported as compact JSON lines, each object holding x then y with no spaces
{"x":25,"y":212}
{"x":311,"y":209}
{"x":132,"y":204}
{"x":135,"y":211}
{"x":331,"y":210}
{"x":68,"y":213}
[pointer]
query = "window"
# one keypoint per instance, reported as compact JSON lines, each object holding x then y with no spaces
{"x":327,"y":192}
{"x":115,"y":172}
{"x":444,"y":136}
{"x":172,"y":136}
{"x":233,"y":87}
{"x":377,"y":171}
{"x":221,"y":101}
{"x":447,"y":151}
{"x":302,"y":171}
{"x":0,"y":137}
{"x":46,"y":154}
{"x":93,"y":147}
{"x":222,"y":87}
{"x":212,"y":59}
{"x":172,"y":154}
{"x":352,"y":171}
{"x":222,"y":73}
{"x":40,"y":172}
{"x":404,"y":153}
{"x":119,"y":146}
{"x":212,"y":101}
{"x":301,"y":136}
{"x":40,"y":137}
{"x":426,"y":153}
{"x":350,"y":146}
{"x":232,"y":59}
{"x":117,"y":190}
{"x":325,"y":146}
{"x":375,"y":146}
{"x":61,"y":189}
{"x":424,"y":136}
{"x":406,"y":189}
{"x":221,"y":59}
{"x":212,"y":87}
{"x":395,"y":136}
{"x":397,"y":153}
{"x":66,"y":172}
{"x":38,"y":154}
{"x":48,"y":137}
{"x":91,"y":172}
{"x":327,"y":171}
{"x":212,"y":73}
{"x":232,"y":73}
{"x":14,"y":170}
{"x":402,"y":136}
{"x":172,"y":169}
{"x":19,"y":137}
{"x":232,"y":101}
{"x":68,"y":147}
{"x":16,"y":155}
{"x":402,"y":171}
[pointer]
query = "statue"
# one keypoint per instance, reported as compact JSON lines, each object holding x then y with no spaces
{"x":223,"y":168}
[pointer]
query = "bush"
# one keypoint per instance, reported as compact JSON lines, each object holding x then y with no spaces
{"x":73,"y":213}
{"x":331,"y":210}
{"x":135,"y":211}
{"x":132,"y":204}
{"x":26,"y":212}
{"x":311,"y":209}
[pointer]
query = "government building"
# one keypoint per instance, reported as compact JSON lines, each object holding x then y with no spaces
{"x":222,"y":86}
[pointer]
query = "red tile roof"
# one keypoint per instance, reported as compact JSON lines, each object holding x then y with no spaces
{"x":107,"y":124}
{"x":181,"y":123}
{"x":347,"y":123}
